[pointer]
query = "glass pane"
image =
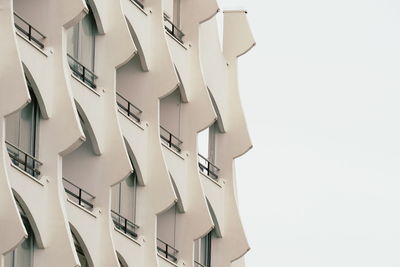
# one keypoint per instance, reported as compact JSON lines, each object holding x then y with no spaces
{"x":128,"y":199}
{"x":21,"y":127}
{"x":73,"y":40}
{"x":197,"y":248}
{"x":12,"y":128}
{"x":168,"y":8}
{"x":79,"y":252}
{"x":24,"y":253}
{"x":115,"y":197}
{"x":202,"y":142}
{"x":26,"y":129}
{"x":9,"y":259}
{"x":88,"y":41}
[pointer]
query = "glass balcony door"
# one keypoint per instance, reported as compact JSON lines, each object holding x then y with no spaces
{"x":22,"y":127}
{"x":81,"y":41}
{"x":202,"y":251}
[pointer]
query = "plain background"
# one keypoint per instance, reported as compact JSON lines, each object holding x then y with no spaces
{"x":321,"y":187}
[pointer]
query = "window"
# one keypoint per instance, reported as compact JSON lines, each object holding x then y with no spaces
{"x":123,"y":205}
{"x":22,"y":256}
{"x":170,"y":120}
{"x":207,"y":151}
{"x":166,"y":234}
{"x":81,"y":41}
{"x":202,"y":251}
{"x":172,"y":18}
{"x":79,"y":251}
{"x":81,"y":49}
{"x":172,"y":11}
{"x":22,"y":129}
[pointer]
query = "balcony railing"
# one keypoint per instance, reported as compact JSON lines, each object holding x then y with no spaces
{"x":167,"y":250}
{"x":130,"y":109}
{"x":83,"y":73}
{"x":171,"y":140}
{"x":79,"y":196}
{"x":29,"y":31}
{"x":23,"y":160}
{"x":173,"y":29}
{"x":208,"y":168}
{"x":124,"y":224}
{"x":139,"y":3}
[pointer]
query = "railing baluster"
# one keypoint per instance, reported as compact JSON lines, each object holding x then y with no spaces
{"x":26,"y":162}
{"x":82,"y":198}
{"x":126,"y":226}
{"x":21,"y":160}
{"x":29,"y":33}
{"x":75,"y":66}
{"x":128,"y":108}
{"x":171,"y":140}
{"x":208,"y":167}
{"x":167,"y":250}
{"x":174,"y":31}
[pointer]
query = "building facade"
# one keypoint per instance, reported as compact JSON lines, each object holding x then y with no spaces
{"x":120,"y":123}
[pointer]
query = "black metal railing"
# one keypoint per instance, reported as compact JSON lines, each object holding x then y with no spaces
{"x":173,"y":29}
{"x":196,"y":263}
{"x":171,"y":140}
{"x":79,"y":196}
{"x":124,"y":224}
{"x":23,"y":160}
{"x":208,"y":168}
{"x":139,"y":3}
{"x":167,"y":250}
{"x":29,"y":31}
{"x":130,"y":109}
{"x":82,"y":72}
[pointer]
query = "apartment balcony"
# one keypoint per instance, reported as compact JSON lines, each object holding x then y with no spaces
{"x":23,"y":160}
{"x":208,"y":168}
{"x":172,"y":29}
{"x":128,"y":108}
{"x":167,"y":251}
{"x":81,"y":72}
{"x":79,"y":196}
{"x":123,"y":224}
{"x":170,"y":140}
{"x":28,"y":31}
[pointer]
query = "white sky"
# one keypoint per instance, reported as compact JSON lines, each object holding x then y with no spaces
{"x":321,"y":186}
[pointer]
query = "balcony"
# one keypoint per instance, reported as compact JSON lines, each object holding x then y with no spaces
{"x":78,"y":195}
{"x":23,"y":160}
{"x":171,"y":140}
{"x":81,"y":72}
{"x":31,"y":33}
{"x":172,"y":29}
{"x":167,"y":251}
{"x":208,"y":168}
{"x":125,"y":225}
{"x":128,"y":108}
